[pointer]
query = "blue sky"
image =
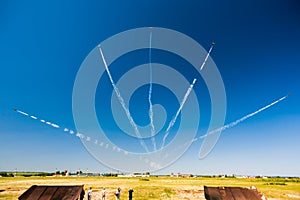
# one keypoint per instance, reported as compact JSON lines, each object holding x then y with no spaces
{"x":257,"y":54}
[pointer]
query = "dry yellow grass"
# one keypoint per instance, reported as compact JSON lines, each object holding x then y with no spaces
{"x":154,"y":187}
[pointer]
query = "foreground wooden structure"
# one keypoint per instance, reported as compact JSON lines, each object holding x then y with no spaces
{"x":52,"y":192}
{"x":232,"y":193}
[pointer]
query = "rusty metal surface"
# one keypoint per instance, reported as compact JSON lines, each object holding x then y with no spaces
{"x":232,"y":193}
{"x":44,"y":192}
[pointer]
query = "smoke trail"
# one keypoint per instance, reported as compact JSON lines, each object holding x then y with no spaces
{"x":172,"y":122}
{"x":150,"y":95}
{"x":55,"y":125}
{"x":21,"y":112}
{"x":33,"y":117}
{"x":114,"y":148}
{"x":121,"y":100}
{"x":232,"y":124}
{"x":71,"y":132}
{"x":80,"y":135}
{"x":211,"y":47}
{"x":185,"y":97}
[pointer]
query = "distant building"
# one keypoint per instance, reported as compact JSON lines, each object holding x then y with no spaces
{"x":70,"y":192}
{"x":179,"y":175}
{"x":138,"y":174}
{"x":125,"y":175}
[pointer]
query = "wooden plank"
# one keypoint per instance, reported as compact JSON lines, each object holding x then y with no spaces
{"x":237,"y":193}
{"x":67,"y":193}
{"x":74,"y":192}
{"x":36,"y":193}
{"x":228,"y":195}
{"x":52,"y":193}
{"x":212,"y":193}
{"x":231,"y":193}
{"x":60,"y":193}
{"x":252,"y":194}
{"x":26,"y":194}
{"x":49,"y":192}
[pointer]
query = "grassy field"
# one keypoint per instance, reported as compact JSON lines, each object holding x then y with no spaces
{"x":154,"y":187}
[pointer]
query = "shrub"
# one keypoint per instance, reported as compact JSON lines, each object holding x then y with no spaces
{"x":144,"y":179}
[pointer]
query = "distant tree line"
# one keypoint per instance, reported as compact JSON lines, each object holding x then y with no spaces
{"x":25,"y":174}
{"x":6,"y":174}
{"x":110,"y":175}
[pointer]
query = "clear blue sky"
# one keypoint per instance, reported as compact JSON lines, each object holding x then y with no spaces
{"x":257,"y":54}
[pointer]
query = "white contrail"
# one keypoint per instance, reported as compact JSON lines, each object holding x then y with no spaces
{"x":23,"y":113}
{"x":55,"y":125}
{"x":33,"y":117}
{"x":67,"y":130}
{"x":150,"y":95}
{"x":80,"y":135}
{"x":172,"y":122}
{"x":211,"y":47}
{"x":122,"y":102}
{"x":232,"y":124}
{"x":185,"y":97}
